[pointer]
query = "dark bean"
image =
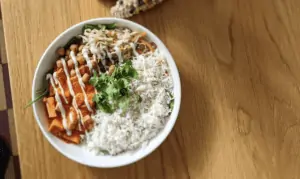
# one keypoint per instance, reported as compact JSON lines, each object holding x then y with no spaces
{"x":114,"y":58}
{"x":108,"y":62}
{"x":132,"y":10}
{"x":141,"y":2}
{"x":124,"y":91}
{"x":102,"y":68}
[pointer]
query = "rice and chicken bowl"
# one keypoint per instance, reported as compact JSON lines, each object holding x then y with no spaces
{"x":110,"y":90}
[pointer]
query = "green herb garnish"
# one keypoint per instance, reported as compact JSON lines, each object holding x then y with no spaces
{"x":105,"y":152}
{"x":99,"y":26}
{"x":42,"y":90}
{"x":90,"y":26}
{"x":45,"y":92}
{"x":171,"y":103}
{"x":114,"y":92}
{"x":102,"y":102}
{"x":110,"y":26}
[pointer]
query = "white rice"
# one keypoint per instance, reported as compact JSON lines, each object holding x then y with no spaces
{"x":119,"y":132}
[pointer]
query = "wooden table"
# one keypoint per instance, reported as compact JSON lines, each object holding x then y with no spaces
{"x":239,"y":65}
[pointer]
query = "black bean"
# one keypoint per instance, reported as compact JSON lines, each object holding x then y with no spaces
{"x":132,"y":10}
{"x":102,"y":68}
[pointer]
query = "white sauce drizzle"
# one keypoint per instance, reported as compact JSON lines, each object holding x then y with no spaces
{"x":60,"y":87}
{"x":102,"y":52}
{"x":137,"y":38}
{"x":109,"y":54}
{"x":79,"y":126}
{"x":85,"y":53}
{"x":68,"y":77}
{"x":99,"y":56}
{"x":61,"y":108}
{"x":73,"y":57}
{"x":81,"y":84}
{"x":76,"y":107}
{"x":95,"y":58}
{"x":71,"y":117}
{"x":118,"y":51}
{"x":133,"y":46}
{"x":95,"y":50}
{"x":71,"y":89}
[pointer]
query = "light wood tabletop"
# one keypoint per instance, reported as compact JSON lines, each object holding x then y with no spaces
{"x":239,"y":63}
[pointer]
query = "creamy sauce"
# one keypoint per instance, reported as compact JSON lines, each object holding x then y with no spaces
{"x":79,"y":126}
{"x":71,"y":117}
{"x":119,"y":54}
{"x":76,"y":107}
{"x":102,"y":57}
{"x":87,"y":102}
{"x":81,"y":84}
{"x":60,"y":87}
{"x":109,"y":55}
{"x":73,"y":57}
{"x":96,"y":51}
{"x":61,"y":108}
{"x":70,"y":88}
{"x":133,"y":49}
{"x":102,"y":52}
{"x":87,"y":58}
{"x":95,"y":58}
{"x":137,"y":38}
{"x":68,"y":77}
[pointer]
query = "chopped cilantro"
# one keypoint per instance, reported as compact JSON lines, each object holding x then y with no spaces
{"x":105,"y":152}
{"x":102,"y":103}
{"x":110,"y":26}
{"x":42,"y":93}
{"x":114,"y":91}
{"x":99,"y":26}
{"x":171,"y":103}
{"x":125,"y":71}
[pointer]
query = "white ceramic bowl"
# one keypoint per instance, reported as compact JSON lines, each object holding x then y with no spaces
{"x":77,"y":153}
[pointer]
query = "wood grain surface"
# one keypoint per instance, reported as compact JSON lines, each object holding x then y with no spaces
{"x":239,"y":63}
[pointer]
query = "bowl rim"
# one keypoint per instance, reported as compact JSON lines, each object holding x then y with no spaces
{"x":175,"y":75}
